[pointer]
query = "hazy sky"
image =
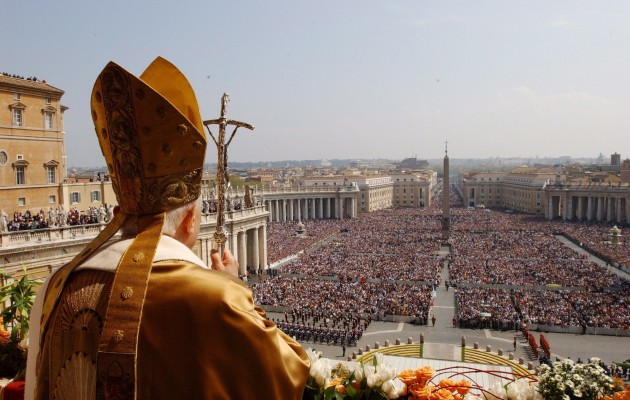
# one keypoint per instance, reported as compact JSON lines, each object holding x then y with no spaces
{"x":352,"y":78}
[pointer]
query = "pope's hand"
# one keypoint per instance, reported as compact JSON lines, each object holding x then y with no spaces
{"x":228,"y":264}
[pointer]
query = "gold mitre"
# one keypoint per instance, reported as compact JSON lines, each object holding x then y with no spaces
{"x":151,"y":135}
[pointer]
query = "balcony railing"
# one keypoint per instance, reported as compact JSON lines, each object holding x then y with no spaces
{"x":38,"y":236}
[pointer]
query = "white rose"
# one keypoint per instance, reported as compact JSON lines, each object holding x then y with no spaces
{"x":518,"y":390}
{"x":386,"y":373}
{"x":370,"y":373}
{"x":313,"y":355}
{"x":495,"y":392}
{"x":320,"y":371}
{"x":358,"y":373}
{"x":390,"y":390}
{"x":380,"y":360}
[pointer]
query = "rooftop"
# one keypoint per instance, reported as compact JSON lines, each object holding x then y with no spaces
{"x":27,"y":83}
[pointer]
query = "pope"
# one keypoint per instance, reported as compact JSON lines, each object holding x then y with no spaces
{"x":141,"y":316}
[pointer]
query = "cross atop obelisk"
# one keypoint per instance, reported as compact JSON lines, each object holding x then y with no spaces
{"x":222,"y":169}
{"x":446,"y":201}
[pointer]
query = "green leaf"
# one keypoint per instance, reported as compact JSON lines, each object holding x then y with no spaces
{"x":350,"y":389}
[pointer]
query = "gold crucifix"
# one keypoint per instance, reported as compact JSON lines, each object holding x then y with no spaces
{"x":222,"y":169}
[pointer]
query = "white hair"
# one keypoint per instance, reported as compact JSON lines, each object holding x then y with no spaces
{"x":172,"y":219}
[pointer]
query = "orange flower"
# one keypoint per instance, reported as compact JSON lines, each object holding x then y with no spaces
{"x":448,"y":384}
{"x":341,"y":389}
{"x":424,"y":373}
{"x":625,"y":395}
{"x":408,"y":377}
{"x":442,"y":394}
{"x":422,"y":392}
{"x":4,"y":334}
{"x":335,"y":382}
{"x":463,"y":386}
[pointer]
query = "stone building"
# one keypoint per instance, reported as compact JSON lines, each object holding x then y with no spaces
{"x":376,"y":192}
{"x":588,"y":201}
{"x":554,"y":195}
{"x":411,"y":189}
{"x":32,"y":154}
{"x":522,"y":189}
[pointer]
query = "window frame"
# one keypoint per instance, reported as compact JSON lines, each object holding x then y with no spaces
{"x":20,"y":175}
{"x":51,"y":174}
{"x":49,"y":121}
{"x":75,"y":197}
{"x":17,"y":117}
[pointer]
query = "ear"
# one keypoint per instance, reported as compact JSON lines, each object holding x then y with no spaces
{"x":189,"y":220}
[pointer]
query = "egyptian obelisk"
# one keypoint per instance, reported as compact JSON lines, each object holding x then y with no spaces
{"x":446,"y":204}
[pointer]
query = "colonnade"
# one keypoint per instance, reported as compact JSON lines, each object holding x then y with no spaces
{"x":589,"y":206}
{"x":248,"y":244}
{"x":305,"y":208}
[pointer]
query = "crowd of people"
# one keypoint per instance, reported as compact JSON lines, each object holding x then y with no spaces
{"x":516,"y":258}
{"x":58,"y":217}
{"x":602,"y":309}
{"x":530,"y":258}
{"x":30,"y":78}
{"x":595,"y":236}
{"x":24,"y":222}
{"x":334,"y":297}
{"x":503,"y":265}
{"x":323,"y":335}
{"x":388,"y":245}
{"x":311,"y":325}
{"x":485,"y":308}
{"x":283,"y":240}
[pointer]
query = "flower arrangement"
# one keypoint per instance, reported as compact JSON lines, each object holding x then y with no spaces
{"x":364,"y":381}
{"x":20,"y":295}
{"x":566,"y":380}
{"x":377,"y":380}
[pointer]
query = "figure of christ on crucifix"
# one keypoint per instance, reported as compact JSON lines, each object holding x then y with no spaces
{"x":222,"y":167}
